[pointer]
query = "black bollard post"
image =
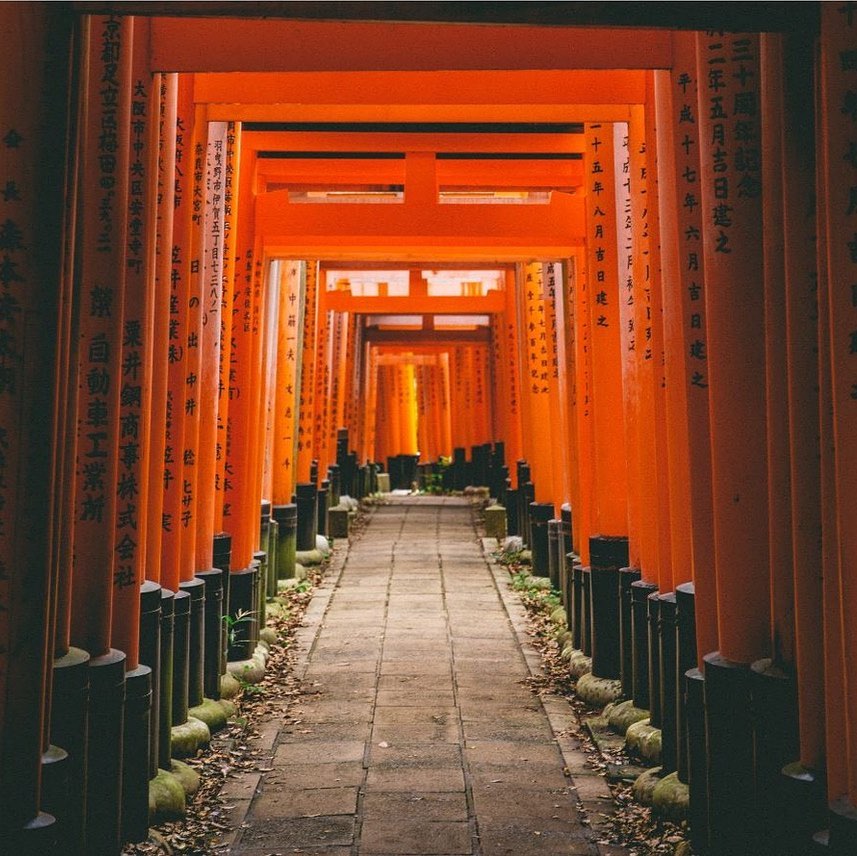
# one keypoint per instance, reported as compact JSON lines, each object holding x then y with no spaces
{"x":287,"y":536}
{"x":136,"y":753}
{"x":323,"y":504}
{"x":222,"y":558}
{"x":181,"y":655}
{"x":165,"y":687}
{"x":511,"y":509}
{"x":640,"y":592}
{"x":150,"y":655}
{"x":307,"y":511}
{"x":607,"y":554}
{"x":668,"y":673}
{"x":243,"y":614}
{"x":212,"y":628}
{"x":653,"y":609}
{"x":195,"y":588}
{"x":685,"y":660}
{"x":627,"y":577}
{"x":540,"y":513}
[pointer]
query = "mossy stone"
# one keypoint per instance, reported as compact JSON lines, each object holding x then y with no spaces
{"x":559,"y":617}
{"x":187,"y":777}
{"x":229,"y":707}
{"x":300,"y":572}
{"x":671,"y":798}
{"x":308,"y":558}
{"x":644,"y":785}
{"x":211,"y":713}
{"x":167,"y":800}
{"x":563,"y":637}
{"x":247,"y":671}
{"x":322,"y":545}
{"x":526,"y":557}
{"x":187,"y":738}
{"x":683,"y":849}
{"x":644,"y":741}
{"x":624,"y":715}
{"x":229,"y":686}
{"x":579,"y":665}
{"x":539,"y":583}
{"x":598,"y":691}
{"x":269,"y":635}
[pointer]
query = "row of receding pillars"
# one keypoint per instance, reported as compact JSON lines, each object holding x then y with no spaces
{"x":702,"y":423}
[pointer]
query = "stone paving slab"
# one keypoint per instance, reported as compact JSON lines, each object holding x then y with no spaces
{"x":418,"y":735}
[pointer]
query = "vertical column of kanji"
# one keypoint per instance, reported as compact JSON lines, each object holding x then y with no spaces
{"x":179,"y":277}
{"x":286,"y":392}
{"x":208,"y":399}
{"x":223,"y":481}
{"x":539,"y":369}
{"x":322,"y":382}
{"x":551,"y":279}
{"x":444,"y":404}
{"x":628,"y":334}
{"x":728,"y":68}
{"x":580,"y":288}
{"x":371,"y":413}
{"x":138,"y":337}
{"x":194,"y":212}
{"x":309,"y":369}
{"x":35,"y":79}
{"x":354,"y":402}
{"x":424,"y":443}
{"x":162,"y":265}
{"x":684,"y":302}
{"x":839,"y":189}
{"x":100,"y":290}
{"x":802,"y":311}
{"x":510,"y":338}
{"x":244,"y":415}
{"x":337,"y":390}
{"x":647,"y":371}
{"x":264,"y":329}
{"x":608,"y":541}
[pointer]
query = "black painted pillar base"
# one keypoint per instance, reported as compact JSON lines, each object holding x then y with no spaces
{"x":69,"y":716}
{"x":653,"y":615}
{"x":640,"y":592}
{"x":554,"y":555}
{"x":222,"y":559}
{"x":181,"y":655}
{"x":322,"y":507}
{"x":843,"y":828}
{"x":103,"y":832}
{"x":307,"y":516}
{"x":539,"y":515}
{"x":804,"y":796}
{"x":733,"y":819}
{"x":55,"y":783}
{"x":150,"y":655}
{"x":607,"y":554}
{"x":40,"y":837}
{"x":511,"y":510}
{"x":627,"y":577}
{"x":165,"y":684}
{"x":196,"y":640}
{"x":586,"y":610}
{"x":668,"y":675}
{"x":697,"y":761}
{"x":136,"y":752}
{"x":576,"y":608}
{"x":244,"y":619}
{"x":775,"y":734}
{"x":212,"y":628}
{"x":686,"y":659}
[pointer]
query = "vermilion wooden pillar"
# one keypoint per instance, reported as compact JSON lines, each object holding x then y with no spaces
{"x":626,"y":298}
{"x":684,"y":316}
{"x":100,"y":296}
{"x":801,"y":279}
{"x":730,"y":168}
{"x":209,"y":396}
{"x":223,"y":477}
{"x":837,"y":180}
{"x":167,"y":104}
{"x":35,"y":90}
{"x":306,"y":426}
{"x":288,"y":354}
{"x":609,"y":521}
{"x":321,"y":401}
{"x":174,"y":512}
{"x":510,"y":394}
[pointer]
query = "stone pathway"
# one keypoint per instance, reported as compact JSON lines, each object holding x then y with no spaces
{"x":418,"y":735}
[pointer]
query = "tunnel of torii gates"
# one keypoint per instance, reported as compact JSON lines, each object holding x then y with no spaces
{"x":248,"y":265}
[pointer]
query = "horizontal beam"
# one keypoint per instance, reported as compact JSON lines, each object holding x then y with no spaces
{"x":340,"y":301}
{"x":416,"y":338}
{"x":339,"y":141}
{"x":560,"y":222}
{"x":397,"y":266}
{"x":378,"y":250}
{"x":205,"y":44}
{"x":449,"y":112}
{"x":465,"y":87}
{"x":734,"y":16}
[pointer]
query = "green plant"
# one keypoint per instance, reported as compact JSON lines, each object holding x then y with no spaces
{"x":243,"y":616}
